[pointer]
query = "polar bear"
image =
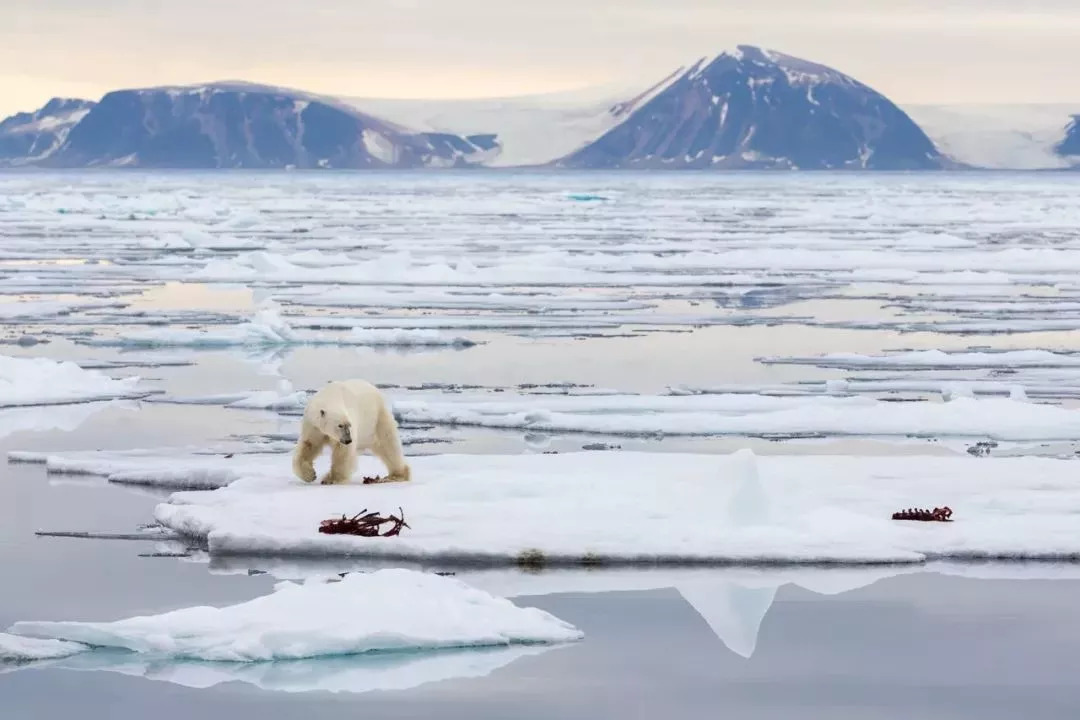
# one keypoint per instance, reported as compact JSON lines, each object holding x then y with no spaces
{"x":350,"y":416}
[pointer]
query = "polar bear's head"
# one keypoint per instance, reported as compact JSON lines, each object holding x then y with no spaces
{"x":335,"y":424}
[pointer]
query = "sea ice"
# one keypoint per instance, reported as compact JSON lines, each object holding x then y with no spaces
{"x":269,"y":328}
{"x":41,"y":381}
{"x":388,"y":610}
{"x":754,"y":415}
{"x":568,"y":508}
{"x":14,"y":648}
{"x":936,"y":359}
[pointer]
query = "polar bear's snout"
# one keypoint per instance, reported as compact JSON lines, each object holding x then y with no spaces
{"x":346,"y":433}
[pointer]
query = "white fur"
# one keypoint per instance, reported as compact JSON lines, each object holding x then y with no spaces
{"x":347,"y":410}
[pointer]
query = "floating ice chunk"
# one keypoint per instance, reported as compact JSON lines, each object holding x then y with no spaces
{"x":757,"y":415}
{"x":268,"y":328}
{"x":177,"y":469}
{"x":271,"y":400}
{"x":14,"y":648}
{"x":388,"y":610}
{"x":41,"y":381}
{"x":570,"y":507}
{"x":935,"y":359}
{"x":40,"y":309}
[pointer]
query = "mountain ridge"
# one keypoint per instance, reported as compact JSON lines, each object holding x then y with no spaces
{"x":746,"y":108}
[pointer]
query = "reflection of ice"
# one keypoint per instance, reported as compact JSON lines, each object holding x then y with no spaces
{"x":732,"y":611}
{"x":732,"y":601}
{"x":63,"y":418}
{"x":352,"y":674}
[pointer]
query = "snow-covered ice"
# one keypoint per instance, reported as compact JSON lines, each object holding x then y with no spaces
{"x":754,"y":415}
{"x":937,"y":359}
{"x":15,"y":648}
{"x":269,"y":328}
{"x":41,"y":381}
{"x":386,"y":611}
{"x":573,"y":507}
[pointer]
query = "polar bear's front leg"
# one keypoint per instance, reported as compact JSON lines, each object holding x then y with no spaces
{"x":308,"y":446}
{"x":342,"y":464}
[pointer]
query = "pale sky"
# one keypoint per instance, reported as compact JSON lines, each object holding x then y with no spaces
{"x":914,"y":51}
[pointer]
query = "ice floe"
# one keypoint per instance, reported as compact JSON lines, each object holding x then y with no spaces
{"x":269,"y":328}
{"x":42,"y":381}
{"x":390,"y":610}
{"x":15,"y":648}
{"x":934,"y":359}
{"x":756,"y":415}
{"x":593,"y":507}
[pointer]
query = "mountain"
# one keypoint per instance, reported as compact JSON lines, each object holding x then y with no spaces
{"x":1070,"y":145}
{"x":757,"y":108}
{"x":746,"y":109}
{"x":240,"y":125}
{"x":25,"y":137}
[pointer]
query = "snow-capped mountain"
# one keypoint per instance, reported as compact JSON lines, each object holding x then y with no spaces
{"x":748,"y":108}
{"x":25,"y":137}
{"x":755,"y":108}
{"x":1069,"y":147}
{"x":240,"y":125}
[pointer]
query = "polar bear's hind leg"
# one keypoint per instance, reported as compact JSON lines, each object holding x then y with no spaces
{"x":387,"y":447}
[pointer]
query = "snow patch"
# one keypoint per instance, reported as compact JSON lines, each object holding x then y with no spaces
{"x":379,"y":146}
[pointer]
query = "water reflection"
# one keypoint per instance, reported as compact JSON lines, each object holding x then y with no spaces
{"x":340,"y":674}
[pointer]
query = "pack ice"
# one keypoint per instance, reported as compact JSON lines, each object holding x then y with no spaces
{"x":388,"y":610}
